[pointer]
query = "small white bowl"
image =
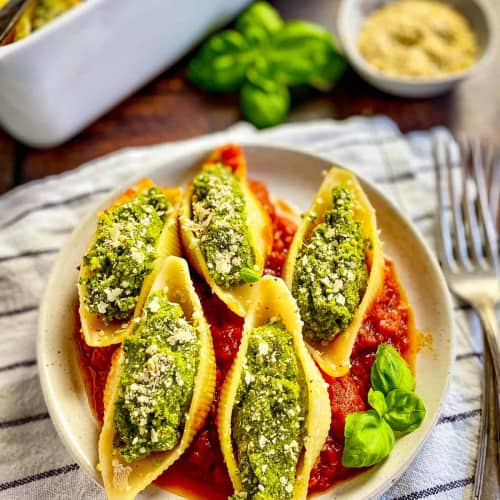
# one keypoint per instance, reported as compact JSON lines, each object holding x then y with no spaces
{"x":351,"y":15}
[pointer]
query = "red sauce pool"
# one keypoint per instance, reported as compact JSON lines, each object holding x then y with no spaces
{"x":200,"y":473}
{"x":95,"y":363}
{"x":388,"y":320}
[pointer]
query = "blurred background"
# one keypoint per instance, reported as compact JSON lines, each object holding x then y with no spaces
{"x":171,"y":108}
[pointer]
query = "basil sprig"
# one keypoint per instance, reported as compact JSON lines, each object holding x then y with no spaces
{"x":264,"y":56}
{"x":369,"y":435}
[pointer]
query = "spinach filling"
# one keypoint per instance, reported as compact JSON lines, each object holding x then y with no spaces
{"x":219,"y":217}
{"x":157,"y":380}
{"x":330,"y":273}
{"x":123,"y":254}
{"x":269,"y":415}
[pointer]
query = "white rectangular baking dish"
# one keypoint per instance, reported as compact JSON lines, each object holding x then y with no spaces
{"x":62,"y":77}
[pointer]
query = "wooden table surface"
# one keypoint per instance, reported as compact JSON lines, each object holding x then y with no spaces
{"x":169,"y":108}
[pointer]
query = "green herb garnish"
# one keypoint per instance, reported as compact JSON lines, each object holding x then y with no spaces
{"x":368,"y":439}
{"x":369,"y":435}
{"x":390,"y":371}
{"x":264,"y":56}
{"x":248,"y":275}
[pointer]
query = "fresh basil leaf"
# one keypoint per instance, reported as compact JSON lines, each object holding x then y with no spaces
{"x":331,"y":73}
{"x":258,"y":22}
{"x":249,"y":275}
{"x":368,"y":439}
{"x":377,"y":401}
{"x":222,"y":62}
{"x":292,"y":53}
{"x":302,"y":53}
{"x":405,"y":410}
{"x":264,"y":101}
{"x":390,"y":371}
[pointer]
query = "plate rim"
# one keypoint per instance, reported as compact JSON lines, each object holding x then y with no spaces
{"x":64,"y":432}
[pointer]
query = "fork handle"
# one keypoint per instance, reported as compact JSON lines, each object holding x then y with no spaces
{"x":487,"y":473}
{"x":489,"y":321}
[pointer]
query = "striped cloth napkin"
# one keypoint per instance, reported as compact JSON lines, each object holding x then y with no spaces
{"x":36,"y":220}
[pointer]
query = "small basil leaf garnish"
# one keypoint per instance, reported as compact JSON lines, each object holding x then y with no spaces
{"x":390,"y":371}
{"x":222,"y":62}
{"x":264,"y":101}
{"x":291,"y":53}
{"x":369,"y":435}
{"x":258,"y":22}
{"x":368,"y":439}
{"x":301,"y":53}
{"x":333,"y":71}
{"x":405,"y":410}
{"x":248,"y":275}
{"x":377,"y":401}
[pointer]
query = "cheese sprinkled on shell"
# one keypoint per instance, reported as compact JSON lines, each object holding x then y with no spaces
{"x":156,"y":384}
{"x":220,"y":224}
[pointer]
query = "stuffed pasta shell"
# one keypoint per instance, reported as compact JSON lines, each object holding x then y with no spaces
{"x":225,"y":231}
{"x":335,"y":269}
{"x":160,"y":386}
{"x":274,"y":412}
{"x":132,"y":238}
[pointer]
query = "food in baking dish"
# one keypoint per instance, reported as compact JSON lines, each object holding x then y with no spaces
{"x":37,"y":14}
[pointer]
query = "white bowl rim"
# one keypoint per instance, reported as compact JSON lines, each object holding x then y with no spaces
{"x":359,"y":62}
{"x":65,"y":432}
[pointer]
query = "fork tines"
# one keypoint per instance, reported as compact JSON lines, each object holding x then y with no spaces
{"x":468,"y":183}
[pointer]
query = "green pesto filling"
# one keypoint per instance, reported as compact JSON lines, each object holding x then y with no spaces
{"x":219,"y":217}
{"x":269,"y":414}
{"x":157,"y":380}
{"x":123,"y":254}
{"x":330,"y":273}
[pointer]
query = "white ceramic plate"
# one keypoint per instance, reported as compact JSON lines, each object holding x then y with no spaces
{"x":294,"y":176}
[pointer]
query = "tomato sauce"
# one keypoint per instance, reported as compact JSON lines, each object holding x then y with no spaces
{"x":200,"y":473}
{"x":202,"y":464}
{"x":388,"y":320}
{"x":284,"y":229}
{"x":95,"y":363}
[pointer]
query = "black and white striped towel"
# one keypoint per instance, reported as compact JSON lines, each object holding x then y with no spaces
{"x":36,"y":219}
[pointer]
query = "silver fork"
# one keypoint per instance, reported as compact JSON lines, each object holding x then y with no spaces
{"x":468,"y":250}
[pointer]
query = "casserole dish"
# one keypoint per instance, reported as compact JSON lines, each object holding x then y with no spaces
{"x":62,"y":77}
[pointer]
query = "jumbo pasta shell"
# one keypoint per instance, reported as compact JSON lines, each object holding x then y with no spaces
{"x":272,"y":301}
{"x":95,"y":331}
{"x":334,"y":357}
{"x":237,"y":297}
{"x":124,"y":480}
